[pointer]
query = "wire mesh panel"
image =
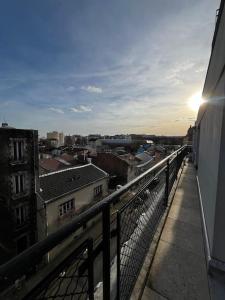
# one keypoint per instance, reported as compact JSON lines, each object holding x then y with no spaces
{"x":137,"y":222}
{"x":68,"y":280}
{"x":173,"y":169}
{"x":174,"y":166}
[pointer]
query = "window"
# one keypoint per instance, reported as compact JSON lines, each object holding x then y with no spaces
{"x":18,"y":150}
{"x":19,"y":183}
{"x":21,"y":214}
{"x":66,"y":207}
{"x":98,"y":190}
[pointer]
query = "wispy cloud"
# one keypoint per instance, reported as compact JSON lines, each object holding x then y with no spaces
{"x":81,"y":108}
{"x":162,"y":60}
{"x":70,"y":88}
{"x":57,"y":110}
{"x":92,"y":89}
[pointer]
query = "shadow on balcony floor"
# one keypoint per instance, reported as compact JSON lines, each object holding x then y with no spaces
{"x":179,"y":268}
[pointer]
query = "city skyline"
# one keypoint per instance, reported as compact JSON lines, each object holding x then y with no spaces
{"x":103,"y":67}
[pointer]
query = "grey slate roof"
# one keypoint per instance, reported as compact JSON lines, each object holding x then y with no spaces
{"x":144,"y":157}
{"x":55,"y":184}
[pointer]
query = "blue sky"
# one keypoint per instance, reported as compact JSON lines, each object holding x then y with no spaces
{"x":108,"y":67}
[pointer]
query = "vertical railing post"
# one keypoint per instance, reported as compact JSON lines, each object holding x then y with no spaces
{"x":118,"y":256}
{"x":90,"y":271}
{"x":167,"y":182}
{"x":106,"y":251}
{"x":177,"y":164}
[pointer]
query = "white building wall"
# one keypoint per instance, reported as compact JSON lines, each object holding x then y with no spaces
{"x":53,"y":221}
{"x":211,"y":154}
{"x":208,"y":163}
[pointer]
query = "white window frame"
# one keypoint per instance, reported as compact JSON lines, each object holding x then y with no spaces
{"x":66,"y":207}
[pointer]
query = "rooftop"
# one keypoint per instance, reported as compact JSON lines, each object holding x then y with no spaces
{"x":56,"y":184}
{"x":144,"y":157}
{"x":51,"y":164}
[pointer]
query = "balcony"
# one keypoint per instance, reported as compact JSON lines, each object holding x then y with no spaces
{"x":137,"y":230}
{"x":178,"y":270}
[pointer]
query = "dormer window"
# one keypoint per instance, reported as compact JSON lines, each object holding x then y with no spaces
{"x":76,"y":177}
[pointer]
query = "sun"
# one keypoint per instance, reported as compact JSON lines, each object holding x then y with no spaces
{"x":195,"y":101}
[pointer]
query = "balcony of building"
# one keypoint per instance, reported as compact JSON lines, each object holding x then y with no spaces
{"x":178,"y":269}
{"x":145,"y":241}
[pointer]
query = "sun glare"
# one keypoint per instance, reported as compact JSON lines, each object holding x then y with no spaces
{"x":195,"y":101}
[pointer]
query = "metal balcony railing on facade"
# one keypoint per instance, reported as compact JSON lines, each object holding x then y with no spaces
{"x":127,"y":219}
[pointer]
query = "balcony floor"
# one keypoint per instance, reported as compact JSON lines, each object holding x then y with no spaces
{"x":179,"y":270}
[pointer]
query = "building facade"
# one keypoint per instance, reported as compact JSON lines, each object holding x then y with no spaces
{"x":61,"y":139}
{"x":56,"y":136}
{"x":53,"y":135}
{"x":65,"y":194}
{"x":19,"y":170}
{"x":209,"y":149}
{"x":120,"y":168}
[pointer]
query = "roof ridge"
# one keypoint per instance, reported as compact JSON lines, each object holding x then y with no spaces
{"x":99,"y":169}
{"x":64,"y":170}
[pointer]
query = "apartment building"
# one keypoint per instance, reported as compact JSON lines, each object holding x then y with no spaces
{"x":19,"y":169}
{"x":66,"y":193}
{"x":209,"y":149}
{"x":56,"y":136}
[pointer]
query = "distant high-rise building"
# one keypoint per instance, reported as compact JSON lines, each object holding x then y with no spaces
{"x":55,"y":135}
{"x":19,"y":171}
{"x":61,"y":139}
{"x":68,"y":140}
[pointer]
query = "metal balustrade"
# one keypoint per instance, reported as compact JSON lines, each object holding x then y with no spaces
{"x":137,"y":222}
{"x":128,"y":219}
{"x":68,"y":280}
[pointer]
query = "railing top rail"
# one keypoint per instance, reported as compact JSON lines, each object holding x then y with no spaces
{"x":32,"y":254}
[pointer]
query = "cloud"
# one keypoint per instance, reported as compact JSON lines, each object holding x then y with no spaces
{"x":70,"y":88}
{"x":162,"y":60}
{"x":57,"y":110}
{"x":92,"y":89}
{"x":81,"y":108}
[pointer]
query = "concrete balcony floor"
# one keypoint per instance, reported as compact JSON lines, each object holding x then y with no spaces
{"x":178,"y":269}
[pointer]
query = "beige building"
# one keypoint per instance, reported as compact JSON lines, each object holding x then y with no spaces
{"x":64,"y":194}
{"x":61,"y":139}
{"x":55,"y":135}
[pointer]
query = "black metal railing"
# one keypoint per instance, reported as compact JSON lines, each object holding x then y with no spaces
{"x":68,"y":280}
{"x":110,"y":251}
{"x":137,"y":222}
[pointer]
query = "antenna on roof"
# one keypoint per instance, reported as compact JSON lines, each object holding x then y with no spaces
{"x":4,"y":123}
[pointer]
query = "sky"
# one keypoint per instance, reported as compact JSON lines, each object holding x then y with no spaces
{"x":101,"y":66}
